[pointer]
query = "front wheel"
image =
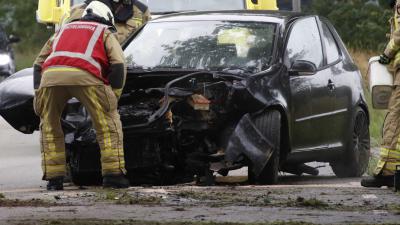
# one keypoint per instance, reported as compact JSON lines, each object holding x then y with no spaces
{"x":269,"y":123}
{"x":85,"y":178}
{"x":355,"y":160}
{"x":85,"y":168}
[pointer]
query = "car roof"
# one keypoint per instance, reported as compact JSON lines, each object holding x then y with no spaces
{"x":235,"y":15}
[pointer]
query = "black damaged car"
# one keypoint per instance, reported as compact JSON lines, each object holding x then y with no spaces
{"x":211,"y":92}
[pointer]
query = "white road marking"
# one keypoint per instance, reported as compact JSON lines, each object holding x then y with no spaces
{"x":369,"y":196}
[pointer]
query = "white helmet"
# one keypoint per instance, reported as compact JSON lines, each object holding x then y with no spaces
{"x":101,"y":10}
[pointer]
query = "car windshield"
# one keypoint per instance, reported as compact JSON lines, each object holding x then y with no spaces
{"x":158,"y":6}
{"x":203,"y":45}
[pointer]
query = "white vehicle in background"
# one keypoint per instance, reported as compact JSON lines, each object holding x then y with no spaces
{"x":7,"y":64}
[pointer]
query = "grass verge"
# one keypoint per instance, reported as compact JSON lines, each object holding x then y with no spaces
{"x":373,"y":161}
{"x":377,"y":117}
{"x":24,"y":59}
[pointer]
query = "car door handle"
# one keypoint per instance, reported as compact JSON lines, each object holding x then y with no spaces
{"x":331,"y":85}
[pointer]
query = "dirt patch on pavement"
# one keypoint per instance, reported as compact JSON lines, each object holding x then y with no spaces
{"x":225,"y":205}
{"x":28,"y":203}
{"x":127,"y":198}
{"x":33,"y":202}
{"x":131,"y":222}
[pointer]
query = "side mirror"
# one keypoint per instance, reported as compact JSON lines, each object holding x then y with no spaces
{"x":302,"y":67}
{"x":14,"y":39}
{"x":254,"y":2}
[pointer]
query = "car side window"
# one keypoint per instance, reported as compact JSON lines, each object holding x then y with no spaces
{"x":304,"y":43}
{"x":332,"y":50}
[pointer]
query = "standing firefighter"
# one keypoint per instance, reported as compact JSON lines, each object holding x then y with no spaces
{"x":390,"y":150}
{"x":129,"y":15}
{"x":85,"y":61}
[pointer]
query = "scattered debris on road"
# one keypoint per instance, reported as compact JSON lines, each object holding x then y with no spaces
{"x":225,"y":205}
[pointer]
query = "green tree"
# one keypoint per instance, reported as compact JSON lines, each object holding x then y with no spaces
{"x":361,"y":25}
{"x":19,"y":17}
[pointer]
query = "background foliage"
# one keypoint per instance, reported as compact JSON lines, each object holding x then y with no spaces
{"x":361,"y":24}
{"x":18,"y":17}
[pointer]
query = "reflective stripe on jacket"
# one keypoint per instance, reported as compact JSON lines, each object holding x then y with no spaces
{"x":80,"y":45}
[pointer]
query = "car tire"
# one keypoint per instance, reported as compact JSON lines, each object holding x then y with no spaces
{"x":355,"y":160}
{"x":269,"y":123}
{"x":85,"y":159}
{"x":85,"y":178}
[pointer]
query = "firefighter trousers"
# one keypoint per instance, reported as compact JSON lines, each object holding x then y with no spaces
{"x":101,"y":103}
{"x":389,"y":156}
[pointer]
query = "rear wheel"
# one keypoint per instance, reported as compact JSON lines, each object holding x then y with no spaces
{"x":354,"y":162}
{"x":269,"y":124}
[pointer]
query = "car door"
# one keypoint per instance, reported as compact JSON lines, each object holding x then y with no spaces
{"x":312,"y":95}
{"x":341,"y":80}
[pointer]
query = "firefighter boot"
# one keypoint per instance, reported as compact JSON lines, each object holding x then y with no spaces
{"x":378,"y":181}
{"x":55,"y":184}
{"x":115,"y":181}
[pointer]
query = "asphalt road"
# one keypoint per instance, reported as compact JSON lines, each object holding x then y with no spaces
{"x":20,"y":163}
{"x":322,"y":199}
{"x":19,"y":159}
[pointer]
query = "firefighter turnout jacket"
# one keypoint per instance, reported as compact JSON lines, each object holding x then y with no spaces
{"x":81,"y":47}
{"x":141,"y":15}
{"x":393,"y":47}
{"x":389,"y":156}
{"x":84,"y":58}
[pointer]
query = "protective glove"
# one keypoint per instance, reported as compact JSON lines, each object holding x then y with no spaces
{"x":383,"y":59}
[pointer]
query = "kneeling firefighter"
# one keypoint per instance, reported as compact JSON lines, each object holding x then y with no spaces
{"x":85,"y":61}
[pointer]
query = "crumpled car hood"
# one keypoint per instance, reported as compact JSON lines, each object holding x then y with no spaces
{"x":16,"y":101}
